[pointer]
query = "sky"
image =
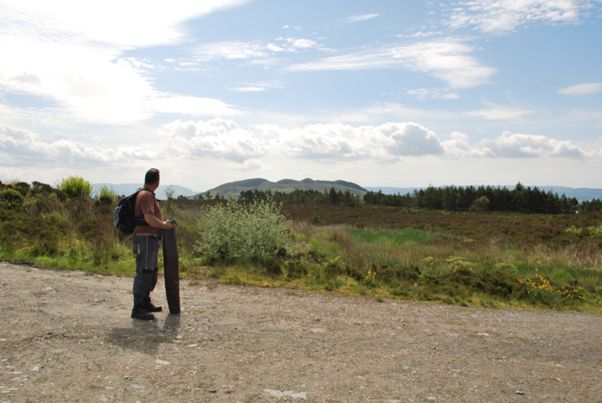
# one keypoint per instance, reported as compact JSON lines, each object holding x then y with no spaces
{"x":381,"y":93}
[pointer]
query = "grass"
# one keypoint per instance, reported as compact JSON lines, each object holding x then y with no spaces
{"x":473,"y":259}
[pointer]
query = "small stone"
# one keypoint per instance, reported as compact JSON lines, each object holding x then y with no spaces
{"x":212,"y":390}
{"x":520,"y":392}
{"x":193,"y":345}
{"x":36,"y":368}
{"x":162,"y":362}
{"x":483,"y":334}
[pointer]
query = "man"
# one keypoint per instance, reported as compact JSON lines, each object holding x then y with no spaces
{"x":145,"y":246}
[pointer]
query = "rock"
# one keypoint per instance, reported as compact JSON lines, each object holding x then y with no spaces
{"x":36,"y":368}
{"x":483,"y":334}
{"x":286,"y":394}
{"x":520,"y":392}
{"x":161,"y":362}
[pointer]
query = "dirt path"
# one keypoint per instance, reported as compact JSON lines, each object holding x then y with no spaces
{"x":67,"y":336}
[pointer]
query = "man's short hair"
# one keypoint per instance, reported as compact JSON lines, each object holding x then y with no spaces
{"x":152,"y":176}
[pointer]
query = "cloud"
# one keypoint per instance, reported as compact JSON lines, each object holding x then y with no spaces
{"x":217,"y":138}
{"x":248,"y":147}
{"x":458,"y":146}
{"x":499,"y":113}
{"x":254,"y":50}
{"x":231,"y":50}
{"x":260,"y":86}
{"x":22,"y":147}
{"x":582,"y":89}
{"x":502,"y":16}
{"x":340,"y":141}
{"x":76,"y":58}
{"x":447,"y":59}
{"x":360,"y":18}
{"x":518,"y":145}
{"x":433,"y":93}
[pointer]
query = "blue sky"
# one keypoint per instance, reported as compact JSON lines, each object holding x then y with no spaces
{"x":397,"y":93}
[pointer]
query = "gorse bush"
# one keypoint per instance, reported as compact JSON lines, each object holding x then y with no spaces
{"x":237,"y":232}
{"x":74,"y":186}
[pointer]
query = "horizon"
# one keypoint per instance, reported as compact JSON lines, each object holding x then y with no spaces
{"x":382,"y":93}
{"x":367,"y":187}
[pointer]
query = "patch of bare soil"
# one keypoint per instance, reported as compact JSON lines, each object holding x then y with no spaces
{"x":67,"y":336}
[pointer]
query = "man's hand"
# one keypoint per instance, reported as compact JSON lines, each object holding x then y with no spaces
{"x":156,"y":223}
{"x":168,"y":225}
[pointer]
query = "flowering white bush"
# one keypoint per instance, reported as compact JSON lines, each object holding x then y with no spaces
{"x":243,"y":232}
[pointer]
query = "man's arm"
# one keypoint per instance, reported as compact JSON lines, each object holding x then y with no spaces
{"x":156,"y":223}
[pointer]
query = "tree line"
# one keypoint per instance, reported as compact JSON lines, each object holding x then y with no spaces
{"x":450,"y":198}
{"x":482,"y":198}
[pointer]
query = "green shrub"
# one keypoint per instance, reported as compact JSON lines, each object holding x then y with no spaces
{"x":236,"y":232}
{"x":480,"y":204}
{"x":74,"y":186}
{"x":11,"y":198}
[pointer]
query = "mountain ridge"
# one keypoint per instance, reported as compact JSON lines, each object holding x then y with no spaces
{"x":233,"y":189}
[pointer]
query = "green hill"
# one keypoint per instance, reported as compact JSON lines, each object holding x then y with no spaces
{"x":233,"y":189}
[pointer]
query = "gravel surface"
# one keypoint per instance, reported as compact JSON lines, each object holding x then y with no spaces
{"x":67,"y":336}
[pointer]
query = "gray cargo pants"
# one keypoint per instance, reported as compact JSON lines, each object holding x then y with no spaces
{"x":145,"y":248}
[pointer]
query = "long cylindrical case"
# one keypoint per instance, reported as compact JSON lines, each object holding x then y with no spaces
{"x":171,"y":270}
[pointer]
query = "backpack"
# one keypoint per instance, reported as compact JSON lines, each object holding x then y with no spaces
{"x":124,"y":218}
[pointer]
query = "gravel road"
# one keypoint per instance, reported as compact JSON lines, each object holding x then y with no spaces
{"x":67,"y":336}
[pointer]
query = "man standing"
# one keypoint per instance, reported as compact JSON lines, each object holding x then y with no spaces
{"x":145,"y":246}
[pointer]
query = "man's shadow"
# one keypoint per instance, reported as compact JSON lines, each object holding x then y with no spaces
{"x":145,"y":336}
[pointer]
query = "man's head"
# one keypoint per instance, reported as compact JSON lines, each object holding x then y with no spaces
{"x":151,"y":178}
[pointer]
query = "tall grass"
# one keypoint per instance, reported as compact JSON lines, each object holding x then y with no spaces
{"x":107,"y":195}
{"x":75,"y":186}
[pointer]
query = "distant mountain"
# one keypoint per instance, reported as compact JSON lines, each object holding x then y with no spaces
{"x":129,"y":188}
{"x":580,"y":194}
{"x":233,"y":189}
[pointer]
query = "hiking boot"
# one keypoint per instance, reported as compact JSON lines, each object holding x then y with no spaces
{"x":150,"y":307}
{"x":141,"y":314}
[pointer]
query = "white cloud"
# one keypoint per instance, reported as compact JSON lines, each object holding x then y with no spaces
{"x":214,"y":138}
{"x":500,"y":16}
{"x":340,"y":141}
{"x":448,"y":59}
{"x":133,"y":24}
{"x":301,"y":43}
{"x":517,"y":145}
{"x":232,"y":50}
{"x":260,"y":86}
{"x":75,"y":57}
{"x":360,"y":18}
{"x":391,"y":112}
{"x":582,"y":89}
{"x":254,"y":50}
{"x":433,"y":93}
{"x":499,"y":113}
{"x":189,"y":141}
{"x":21,"y":147}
